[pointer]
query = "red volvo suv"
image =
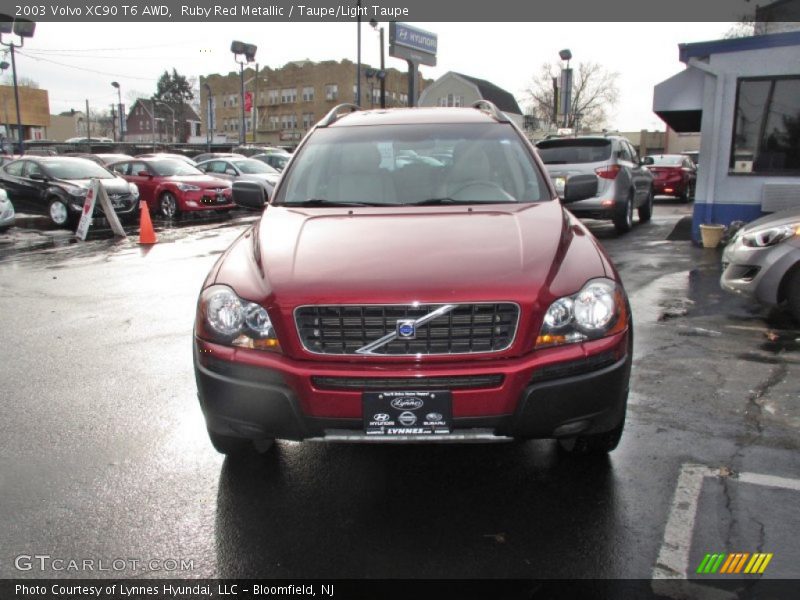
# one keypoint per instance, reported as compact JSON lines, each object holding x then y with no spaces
{"x":414,"y":278}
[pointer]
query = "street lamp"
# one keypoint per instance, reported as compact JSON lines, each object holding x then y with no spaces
{"x":209,"y":118}
{"x":382,"y":73}
{"x":119,"y":109}
{"x":172,"y":110}
{"x":22,"y":28}
{"x":248,"y":54}
{"x":566,"y":85}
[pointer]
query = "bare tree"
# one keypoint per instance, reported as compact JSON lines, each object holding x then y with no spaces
{"x":744,"y":28}
{"x":594,"y":95}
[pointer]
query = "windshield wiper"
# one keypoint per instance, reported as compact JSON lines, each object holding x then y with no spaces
{"x":326,"y":202}
{"x":435,"y":201}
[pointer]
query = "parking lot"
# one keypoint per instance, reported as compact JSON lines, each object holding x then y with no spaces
{"x":105,"y":454}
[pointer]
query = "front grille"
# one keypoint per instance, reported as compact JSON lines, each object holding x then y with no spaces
{"x":466,"y":329}
{"x":458,"y":382}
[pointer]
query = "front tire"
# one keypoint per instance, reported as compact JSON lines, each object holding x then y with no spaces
{"x":235,"y":446}
{"x":59,"y":213}
{"x":598,"y":444}
{"x":793,"y":296}
{"x":623,"y":221}
{"x":168,"y":205}
{"x":646,"y":209}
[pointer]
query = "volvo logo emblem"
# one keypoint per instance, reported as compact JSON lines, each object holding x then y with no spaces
{"x":410,"y":403}
{"x":406,"y":329}
{"x":407,"y":418}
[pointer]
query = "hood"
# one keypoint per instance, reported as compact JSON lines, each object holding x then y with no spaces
{"x":783,"y":217}
{"x":426,"y":254}
{"x":270,"y":178}
{"x":117,"y":184}
{"x":201,"y":180}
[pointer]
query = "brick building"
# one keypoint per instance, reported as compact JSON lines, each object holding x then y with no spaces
{"x":148,"y":123}
{"x":34,"y":108}
{"x":291,"y":99}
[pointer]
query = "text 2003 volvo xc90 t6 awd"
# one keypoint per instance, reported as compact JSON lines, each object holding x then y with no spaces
{"x":449,"y":298}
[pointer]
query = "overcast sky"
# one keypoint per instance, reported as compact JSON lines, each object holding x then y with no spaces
{"x":76,"y":61}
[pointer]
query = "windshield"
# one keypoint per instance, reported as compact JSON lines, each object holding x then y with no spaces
{"x":253,"y":167}
{"x":170,"y":167}
{"x":413,"y":164}
{"x":667,"y":161}
{"x":574,"y":151}
{"x":78,"y":168}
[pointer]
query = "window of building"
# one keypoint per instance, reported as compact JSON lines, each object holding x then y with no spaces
{"x":288,"y":95}
{"x":766,"y":127}
{"x":274,"y":96}
{"x":289,"y":121}
{"x":308,"y":94}
{"x":274,"y":123}
{"x":308,"y":120}
{"x":331,"y":91}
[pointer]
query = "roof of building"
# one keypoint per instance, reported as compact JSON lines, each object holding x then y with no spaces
{"x":188,"y":112}
{"x":494,"y":94}
{"x":754,"y":42}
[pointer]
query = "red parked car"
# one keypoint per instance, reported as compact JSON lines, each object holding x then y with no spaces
{"x":171,"y":186}
{"x":386,"y":301}
{"x":673,"y":175}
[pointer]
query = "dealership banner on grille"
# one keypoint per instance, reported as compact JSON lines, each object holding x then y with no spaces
{"x":97,"y":193}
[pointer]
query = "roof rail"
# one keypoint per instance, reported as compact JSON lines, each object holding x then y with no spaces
{"x":333,"y":115}
{"x":491,"y":109}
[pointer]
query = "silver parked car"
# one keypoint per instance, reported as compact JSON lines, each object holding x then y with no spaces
{"x":243,"y":169}
{"x":762,"y":260}
{"x":6,"y":211}
{"x":623,"y":182}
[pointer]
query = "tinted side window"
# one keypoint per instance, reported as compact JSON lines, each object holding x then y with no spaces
{"x":121,"y":168}
{"x":15,"y":168}
{"x":624,"y":152}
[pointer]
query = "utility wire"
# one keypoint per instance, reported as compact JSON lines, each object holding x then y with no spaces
{"x":118,"y":75}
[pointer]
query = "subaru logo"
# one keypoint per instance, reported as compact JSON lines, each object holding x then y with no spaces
{"x":433,"y":417}
{"x":407,"y":418}
{"x":406,"y":329}
{"x":411,"y":403}
{"x":380,"y":417}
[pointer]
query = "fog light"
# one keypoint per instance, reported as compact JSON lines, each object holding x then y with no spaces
{"x":191,"y":203}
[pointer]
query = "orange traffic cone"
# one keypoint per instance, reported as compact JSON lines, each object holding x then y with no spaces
{"x":146,"y":233}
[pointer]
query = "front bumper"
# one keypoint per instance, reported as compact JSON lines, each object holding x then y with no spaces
{"x":581,"y":391}
{"x":206,"y":200}
{"x":7,"y":215}
{"x":758,"y":272}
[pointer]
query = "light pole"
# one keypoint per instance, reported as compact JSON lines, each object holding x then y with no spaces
{"x":382,"y":73}
{"x":3,"y":66}
{"x":248,"y":54}
{"x":172,"y":110}
{"x":22,"y":28}
{"x":209,"y":118}
{"x":120,"y":111}
{"x":566,"y":85}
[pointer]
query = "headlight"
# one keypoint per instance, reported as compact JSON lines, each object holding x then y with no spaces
{"x":761,"y":238}
{"x":225,"y":318}
{"x":188,"y":187}
{"x":74,"y":190}
{"x":598,"y":310}
{"x":134,"y":189}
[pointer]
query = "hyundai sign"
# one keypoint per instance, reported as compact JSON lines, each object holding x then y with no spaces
{"x":412,"y":44}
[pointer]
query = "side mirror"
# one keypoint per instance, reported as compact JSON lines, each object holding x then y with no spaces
{"x":647,"y":160}
{"x":580,"y":187}
{"x":38,"y":177}
{"x":249,"y":194}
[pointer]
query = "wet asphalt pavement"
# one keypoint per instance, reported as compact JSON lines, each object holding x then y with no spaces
{"x":104,"y":453}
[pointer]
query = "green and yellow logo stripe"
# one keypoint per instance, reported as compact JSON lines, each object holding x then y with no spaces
{"x":734,"y":563}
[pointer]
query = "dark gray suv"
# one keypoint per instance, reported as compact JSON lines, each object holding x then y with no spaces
{"x":623,"y":182}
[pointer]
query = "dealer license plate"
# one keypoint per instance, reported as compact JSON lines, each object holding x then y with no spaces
{"x":407,"y":413}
